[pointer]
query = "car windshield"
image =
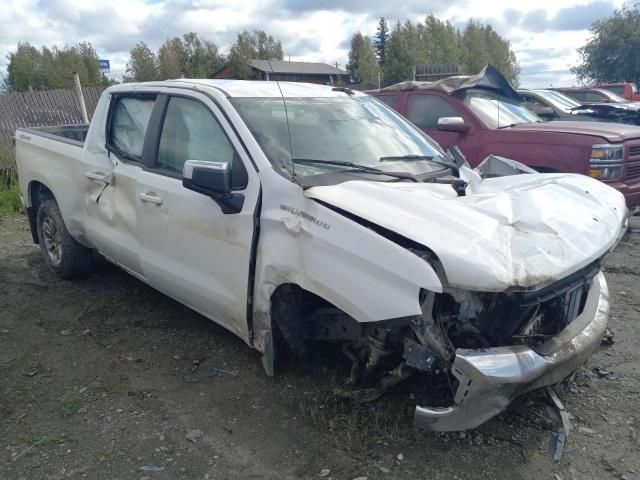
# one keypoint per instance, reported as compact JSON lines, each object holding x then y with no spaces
{"x":612,"y":96}
{"x":498,"y":111}
{"x":345,"y":128}
{"x":558,"y":100}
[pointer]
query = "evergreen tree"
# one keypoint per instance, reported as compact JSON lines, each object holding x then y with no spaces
{"x":380,"y":40}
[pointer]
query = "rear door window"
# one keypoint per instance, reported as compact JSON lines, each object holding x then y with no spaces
{"x":128,"y":127}
{"x":425,"y":110}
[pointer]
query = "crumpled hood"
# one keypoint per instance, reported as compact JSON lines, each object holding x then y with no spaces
{"x":512,"y":232}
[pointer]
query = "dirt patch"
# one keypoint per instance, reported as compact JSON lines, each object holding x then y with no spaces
{"x":105,"y":378}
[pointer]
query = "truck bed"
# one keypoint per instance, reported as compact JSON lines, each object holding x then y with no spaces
{"x":74,"y":134}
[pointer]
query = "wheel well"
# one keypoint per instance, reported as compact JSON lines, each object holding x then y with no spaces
{"x":38,"y":193}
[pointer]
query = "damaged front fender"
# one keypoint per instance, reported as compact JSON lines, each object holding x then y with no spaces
{"x":365,"y":275}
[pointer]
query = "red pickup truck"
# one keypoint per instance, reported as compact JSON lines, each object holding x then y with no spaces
{"x":626,"y":90}
{"x":483,"y":115}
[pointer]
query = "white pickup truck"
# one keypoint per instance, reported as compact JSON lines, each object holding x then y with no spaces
{"x":294,"y":213}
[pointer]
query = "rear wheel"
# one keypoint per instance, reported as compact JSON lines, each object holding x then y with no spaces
{"x":65,"y":257}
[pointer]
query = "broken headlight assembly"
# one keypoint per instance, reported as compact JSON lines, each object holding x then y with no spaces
{"x":605,"y":162}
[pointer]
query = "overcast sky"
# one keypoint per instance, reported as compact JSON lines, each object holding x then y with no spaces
{"x":544,"y":34}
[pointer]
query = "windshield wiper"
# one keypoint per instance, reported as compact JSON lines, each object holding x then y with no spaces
{"x":419,"y":157}
{"x":356,"y":167}
{"x":507,"y":126}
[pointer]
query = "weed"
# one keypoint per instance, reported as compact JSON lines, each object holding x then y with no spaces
{"x":352,"y":425}
{"x":34,"y":435}
{"x":9,"y":198}
{"x":115,"y":388}
{"x":69,"y":405}
{"x":32,"y":363}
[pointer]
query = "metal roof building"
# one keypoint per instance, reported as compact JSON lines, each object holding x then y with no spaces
{"x":310,"y":72}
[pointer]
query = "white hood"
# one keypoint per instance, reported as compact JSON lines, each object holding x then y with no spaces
{"x":512,"y":232}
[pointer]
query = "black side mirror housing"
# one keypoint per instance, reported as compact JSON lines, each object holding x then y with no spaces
{"x":546,"y":113}
{"x":214,"y":180}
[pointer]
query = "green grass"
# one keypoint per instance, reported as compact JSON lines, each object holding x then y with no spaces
{"x":9,"y":193}
{"x":69,"y":405}
{"x":33,"y":435}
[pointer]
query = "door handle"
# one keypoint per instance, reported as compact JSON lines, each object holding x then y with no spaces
{"x":150,"y":197}
{"x":99,"y":176}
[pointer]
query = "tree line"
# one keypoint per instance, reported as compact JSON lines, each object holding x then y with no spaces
{"x":193,"y":57}
{"x":47,"y":68}
{"x":188,"y":56}
{"x":392,"y":53}
{"x":610,"y":54}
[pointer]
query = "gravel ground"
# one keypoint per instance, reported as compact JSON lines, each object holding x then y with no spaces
{"x":105,"y":378}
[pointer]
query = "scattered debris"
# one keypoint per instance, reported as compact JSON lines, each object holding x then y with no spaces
{"x":607,"y":338}
{"x":193,"y":435}
{"x":360,"y":478}
{"x":35,"y":444}
{"x":385,"y":469}
{"x":400,"y":457}
{"x":602,"y":373}
{"x":562,"y":426}
{"x":220,"y":371}
{"x":151,"y":468}
{"x":324,"y":472}
{"x":586,"y":430}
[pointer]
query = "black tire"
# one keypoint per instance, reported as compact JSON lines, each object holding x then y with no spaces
{"x":66,"y":258}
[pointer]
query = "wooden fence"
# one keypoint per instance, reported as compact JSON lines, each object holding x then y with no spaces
{"x":39,"y":109}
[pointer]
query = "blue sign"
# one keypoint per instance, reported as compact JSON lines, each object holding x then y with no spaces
{"x":104,"y":66}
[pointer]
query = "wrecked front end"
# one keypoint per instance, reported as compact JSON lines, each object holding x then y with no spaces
{"x":482,"y":349}
{"x":501,"y":345}
{"x":523,"y":301}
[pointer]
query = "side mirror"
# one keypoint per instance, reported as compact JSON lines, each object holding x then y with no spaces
{"x":209,"y":178}
{"x":214,"y":180}
{"x":546,"y":113}
{"x":453,"y":124}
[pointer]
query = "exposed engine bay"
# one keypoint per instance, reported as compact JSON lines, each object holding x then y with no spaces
{"x":383,"y":354}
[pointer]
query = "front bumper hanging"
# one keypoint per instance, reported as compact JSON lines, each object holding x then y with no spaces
{"x":489,"y":379}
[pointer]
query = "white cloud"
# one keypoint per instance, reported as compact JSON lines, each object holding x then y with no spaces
{"x":544,"y":35}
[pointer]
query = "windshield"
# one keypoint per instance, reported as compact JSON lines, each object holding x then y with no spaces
{"x":558,"y":100}
{"x":498,"y":111}
{"x":612,"y":96}
{"x":345,"y":128}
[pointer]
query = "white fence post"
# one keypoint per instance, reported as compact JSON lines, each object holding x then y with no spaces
{"x":83,"y":108}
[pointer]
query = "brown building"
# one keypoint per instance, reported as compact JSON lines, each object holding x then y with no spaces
{"x":309,"y":72}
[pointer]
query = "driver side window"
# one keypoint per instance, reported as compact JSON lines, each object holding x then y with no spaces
{"x":191,"y":132}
